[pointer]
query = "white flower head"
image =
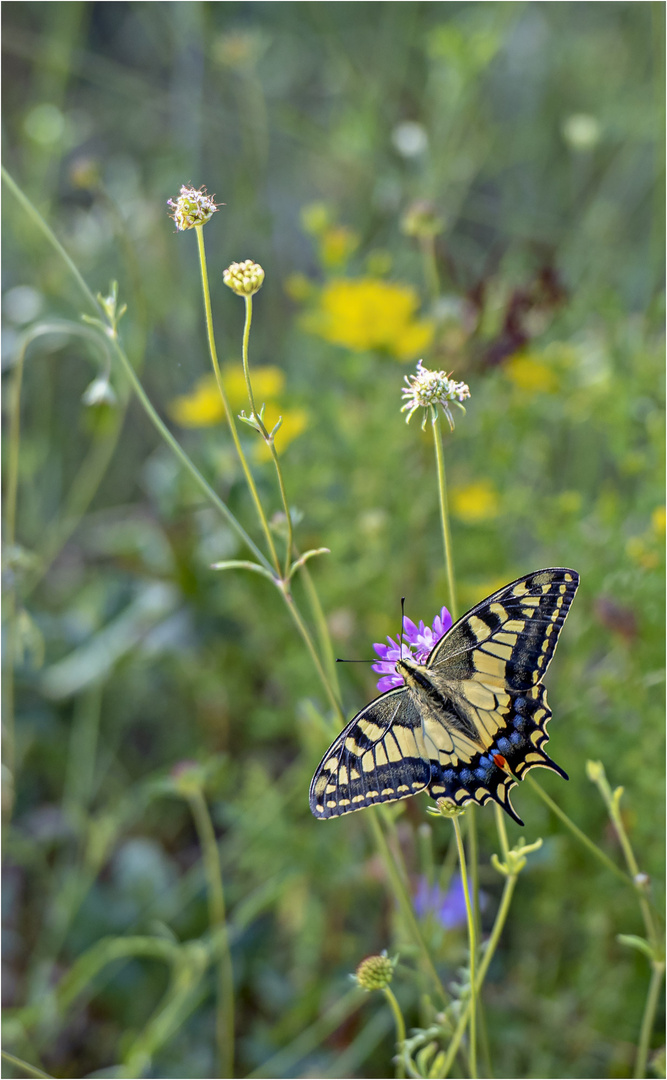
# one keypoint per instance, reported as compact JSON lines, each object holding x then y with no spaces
{"x":429,"y":389}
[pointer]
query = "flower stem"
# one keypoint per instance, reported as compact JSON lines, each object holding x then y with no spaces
{"x":581,"y":836}
{"x":430,"y":264}
{"x":400,"y":1029}
{"x":489,"y":951}
{"x":472,"y":944}
{"x":444,"y":516}
{"x":8,"y":754}
{"x":228,"y":412}
{"x":268,"y":439}
{"x":323,"y":634}
{"x":224,"y":1025}
{"x":657,"y":975}
{"x":301,"y":626}
{"x":29,"y":1070}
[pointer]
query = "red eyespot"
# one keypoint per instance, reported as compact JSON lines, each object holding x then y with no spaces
{"x":500,"y":761}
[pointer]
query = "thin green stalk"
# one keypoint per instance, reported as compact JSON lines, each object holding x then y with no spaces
{"x":308,"y":641}
{"x":612,"y":800}
{"x":30,"y":1070}
{"x":9,"y":751}
{"x":265,"y":434}
{"x":39,"y":221}
{"x":400,"y":1029}
{"x":472,"y":944}
{"x":228,"y":412}
{"x":502,"y":831}
{"x":218,"y":922}
{"x":489,"y":952}
{"x":403,"y":900}
{"x":648,"y":1019}
{"x":444,"y":516}
{"x":430,"y":264}
{"x":324,"y":637}
{"x":581,"y":836}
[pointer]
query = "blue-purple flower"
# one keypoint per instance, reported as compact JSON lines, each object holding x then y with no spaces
{"x":448,"y":908}
{"x":417,"y":643}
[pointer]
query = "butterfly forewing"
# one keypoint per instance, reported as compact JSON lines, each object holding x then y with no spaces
{"x":479,"y":727}
{"x":379,"y":757}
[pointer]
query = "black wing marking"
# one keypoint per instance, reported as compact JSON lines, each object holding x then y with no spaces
{"x":379,"y":757}
{"x":509,"y":638}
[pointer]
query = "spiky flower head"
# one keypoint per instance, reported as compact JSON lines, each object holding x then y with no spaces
{"x":429,"y":389}
{"x":244,"y":278}
{"x":375,"y":972}
{"x":192,"y":207}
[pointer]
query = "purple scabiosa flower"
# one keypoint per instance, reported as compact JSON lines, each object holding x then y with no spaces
{"x":418,"y":642}
{"x":448,"y":908}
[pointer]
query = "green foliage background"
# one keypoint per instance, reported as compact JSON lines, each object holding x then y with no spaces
{"x":136,"y":656}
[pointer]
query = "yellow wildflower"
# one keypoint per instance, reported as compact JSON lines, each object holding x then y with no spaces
{"x":368,"y":313}
{"x":267,"y":384}
{"x":203,"y":406}
{"x":475,"y":502}
{"x":642,"y":552}
{"x":531,"y":375}
{"x":294,"y":422}
{"x":659,"y":520}
{"x":336,"y":246}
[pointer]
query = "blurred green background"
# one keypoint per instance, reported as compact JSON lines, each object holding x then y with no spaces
{"x":533,"y":133}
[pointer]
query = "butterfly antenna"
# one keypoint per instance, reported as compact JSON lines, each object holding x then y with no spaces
{"x":402,"y":634}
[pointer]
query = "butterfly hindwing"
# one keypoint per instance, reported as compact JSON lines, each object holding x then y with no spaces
{"x":379,"y":757}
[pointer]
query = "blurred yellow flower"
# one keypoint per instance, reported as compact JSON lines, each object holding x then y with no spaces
{"x":642,"y":552}
{"x":659,"y":520}
{"x":298,"y":287}
{"x":203,"y":406}
{"x":267,"y":383}
{"x":531,"y":375}
{"x":475,"y":502}
{"x":368,"y":313}
{"x":294,"y":422}
{"x":336,"y":245}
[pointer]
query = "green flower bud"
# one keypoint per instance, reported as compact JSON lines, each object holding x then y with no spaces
{"x":375,"y":972}
{"x":244,"y":278}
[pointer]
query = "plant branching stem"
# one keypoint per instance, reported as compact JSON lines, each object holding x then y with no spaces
{"x":489,"y":951}
{"x":268,"y":439}
{"x":228,"y":412}
{"x":581,"y":836}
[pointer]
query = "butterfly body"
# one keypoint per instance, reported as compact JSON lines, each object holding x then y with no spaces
{"x":466,"y":724}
